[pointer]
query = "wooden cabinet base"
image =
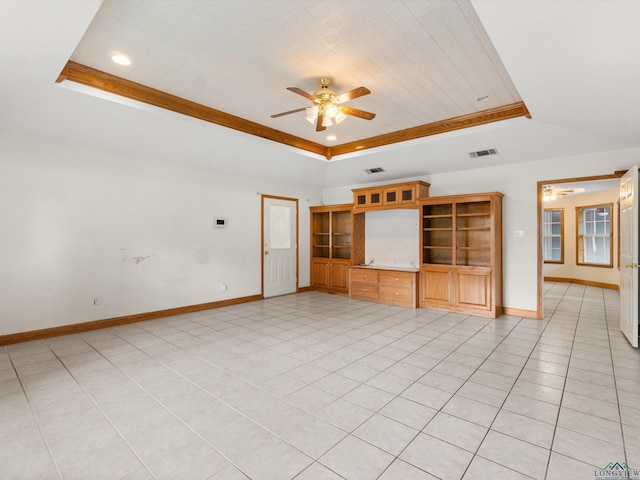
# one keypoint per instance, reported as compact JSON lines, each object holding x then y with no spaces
{"x":458,"y":289}
{"x":329,"y":275}
{"x":384,"y":285}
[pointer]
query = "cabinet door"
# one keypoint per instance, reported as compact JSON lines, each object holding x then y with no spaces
{"x":391,"y":196}
{"x":407,"y":195}
{"x":374,"y":198}
{"x":339,"y":276}
{"x":320,"y":274}
{"x":436,"y":286}
{"x":369,"y":198}
{"x":473,"y":288}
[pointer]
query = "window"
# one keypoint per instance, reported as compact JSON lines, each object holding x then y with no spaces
{"x":594,"y":243}
{"x":553,"y":235}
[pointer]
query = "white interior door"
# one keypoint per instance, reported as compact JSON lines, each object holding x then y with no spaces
{"x":629,"y":255}
{"x":280,"y":251}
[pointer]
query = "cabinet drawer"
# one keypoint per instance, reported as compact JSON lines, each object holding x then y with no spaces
{"x":361,"y":275}
{"x":396,"y":295}
{"x":396,"y":279}
{"x":363,"y":290}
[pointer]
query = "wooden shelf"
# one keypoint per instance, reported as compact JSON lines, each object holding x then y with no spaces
{"x":461,"y":263}
{"x":332,"y":251}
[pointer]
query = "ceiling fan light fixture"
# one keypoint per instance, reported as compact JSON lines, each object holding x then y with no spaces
{"x":331,"y":110}
{"x":548,"y":194}
{"x":327,"y":109}
{"x":339,"y":117}
{"x":312,"y":114}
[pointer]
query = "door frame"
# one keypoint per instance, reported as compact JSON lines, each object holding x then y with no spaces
{"x":275,"y":197}
{"x":617,"y":174}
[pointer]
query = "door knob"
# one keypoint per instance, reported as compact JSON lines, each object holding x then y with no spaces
{"x":266,"y":252}
{"x":631,"y":265}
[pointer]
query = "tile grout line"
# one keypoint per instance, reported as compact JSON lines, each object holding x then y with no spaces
{"x":465,"y":382}
{"x":564,"y":385}
{"x":615,"y":382}
{"x":104,"y":414}
{"x":250,"y":319}
{"x":37,"y":420}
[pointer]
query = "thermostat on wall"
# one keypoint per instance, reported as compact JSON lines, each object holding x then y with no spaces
{"x":220,"y":222}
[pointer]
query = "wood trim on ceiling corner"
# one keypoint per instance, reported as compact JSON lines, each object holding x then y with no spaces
{"x":505,"y":112}
{"x":91,"y":77}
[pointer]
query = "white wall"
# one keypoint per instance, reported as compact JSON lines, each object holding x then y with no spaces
{"x":569,"y":269}
{"x":136,"y":232}
{"x":519,"y":184}
{"x":392,"y":238}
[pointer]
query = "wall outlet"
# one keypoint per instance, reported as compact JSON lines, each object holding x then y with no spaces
{"x":224,"y":287}
{"x":96,"y":300}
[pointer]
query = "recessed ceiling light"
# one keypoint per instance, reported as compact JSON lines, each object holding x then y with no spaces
{"x":483,"y":98}
{"x":331,"y":137}
{"x":121,"y":59}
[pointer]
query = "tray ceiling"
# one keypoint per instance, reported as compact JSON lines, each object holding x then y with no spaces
{"x":425,"y":63}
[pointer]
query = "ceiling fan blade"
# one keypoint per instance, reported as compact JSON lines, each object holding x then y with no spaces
{"x":319,"y":126}
{"x":355,"y":93}
{"x":299,"y":91}
{"x":356,"y":113}
{"x":290,"y":111}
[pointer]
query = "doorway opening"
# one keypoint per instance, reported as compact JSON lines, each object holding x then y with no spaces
{"x":560,"y":241}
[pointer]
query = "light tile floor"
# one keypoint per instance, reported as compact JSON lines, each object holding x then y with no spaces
{"x":319,"y":387}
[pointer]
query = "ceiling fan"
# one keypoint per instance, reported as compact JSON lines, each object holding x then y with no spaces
{"x":551,"y":193}
{"x":327,"y":108}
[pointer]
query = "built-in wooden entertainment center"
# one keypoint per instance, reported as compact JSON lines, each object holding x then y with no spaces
{"x":460,"y":242}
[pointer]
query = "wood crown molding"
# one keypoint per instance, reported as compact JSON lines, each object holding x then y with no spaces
{"x":91,"y":77}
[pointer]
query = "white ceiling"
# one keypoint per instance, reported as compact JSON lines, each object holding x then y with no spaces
{"x":574,"y":64}
{"x":588,"y":187}
{"x":423,"y":61}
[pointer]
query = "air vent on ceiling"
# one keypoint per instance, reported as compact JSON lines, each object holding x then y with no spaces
{"x":483,"y":153}
{"x":374,"y":170}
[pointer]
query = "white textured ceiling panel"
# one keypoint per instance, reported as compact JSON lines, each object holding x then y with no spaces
{"x":423,"y":61}
{"x":574,"y":64}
